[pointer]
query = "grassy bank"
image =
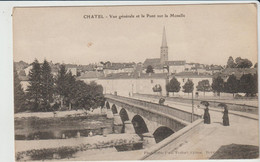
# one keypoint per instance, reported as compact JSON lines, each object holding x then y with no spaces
{"x":69,"y":151}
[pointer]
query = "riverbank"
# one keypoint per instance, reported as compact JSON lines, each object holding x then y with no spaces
{"x":56,"y":148}
{"x":58,"y":113}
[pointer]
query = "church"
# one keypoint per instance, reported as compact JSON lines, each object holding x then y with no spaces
{"x":162,"y":64}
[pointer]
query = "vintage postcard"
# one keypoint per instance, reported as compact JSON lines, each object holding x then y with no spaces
{"x":144,"y":82}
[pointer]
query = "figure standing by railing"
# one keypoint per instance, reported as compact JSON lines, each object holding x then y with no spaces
{"x":225,"y":114}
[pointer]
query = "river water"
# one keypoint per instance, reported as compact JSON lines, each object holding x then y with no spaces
{"x":54,"y":127}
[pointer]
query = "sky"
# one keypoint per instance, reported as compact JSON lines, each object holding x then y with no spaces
{"x":208,"y":34}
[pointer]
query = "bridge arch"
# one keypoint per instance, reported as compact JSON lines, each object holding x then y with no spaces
{"x":161,"y":133}
{"x":139,"y":125}
{"x":114,"y":109}
{"x":124,"y":115}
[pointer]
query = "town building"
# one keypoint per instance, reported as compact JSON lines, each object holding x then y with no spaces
{"x":125,"y":84}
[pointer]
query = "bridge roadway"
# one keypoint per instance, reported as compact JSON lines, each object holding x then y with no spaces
{"x":204,"y":143}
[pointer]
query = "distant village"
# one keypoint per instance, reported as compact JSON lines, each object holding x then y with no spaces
{"x":143,"y":76}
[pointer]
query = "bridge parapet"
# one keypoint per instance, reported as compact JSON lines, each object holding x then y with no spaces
{"x":175,"y":112}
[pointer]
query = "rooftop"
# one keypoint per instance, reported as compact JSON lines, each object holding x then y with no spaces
{"x":133,"y":76}
{"x":90,"y":75}
{"x":176,"y":63}
{"x":238,"y":72}
{"x":154,"y":62}
{"x":193,"y":75}
{"x":153,"y":75}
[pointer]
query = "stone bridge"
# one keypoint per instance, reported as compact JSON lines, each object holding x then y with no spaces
{"x":146,"y":118}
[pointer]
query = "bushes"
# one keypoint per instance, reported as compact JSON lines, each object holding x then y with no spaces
{"x":53,"y":153}
{"x":247,"y":84}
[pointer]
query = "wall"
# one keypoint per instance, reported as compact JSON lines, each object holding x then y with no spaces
{"x":124,"y":87}
{"x":175,"y":139}
{"x":88,"y":80}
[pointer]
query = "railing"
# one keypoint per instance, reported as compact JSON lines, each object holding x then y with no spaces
{"x":175,"y":112}
{"x":231,"y":106}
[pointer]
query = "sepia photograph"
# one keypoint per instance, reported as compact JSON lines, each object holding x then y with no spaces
{"x":136,"y":82}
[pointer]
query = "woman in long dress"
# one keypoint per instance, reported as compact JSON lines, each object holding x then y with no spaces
{"x":225,"y":117}
{"x":206,"y":116}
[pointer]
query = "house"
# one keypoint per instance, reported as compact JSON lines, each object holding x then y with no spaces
{"x":99,"y":67}
{"x":176,"y":66}
{"x":201,"y":70}
{"x":28,"y":69}
{"x":90,"y":76}
{"x":73,"y":71}
{"x":188,"y":66}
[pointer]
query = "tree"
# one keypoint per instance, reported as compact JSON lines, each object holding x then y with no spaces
{"x":230,"y":62}
{"x":173,"y":86}
{"x":77,"y":95}
{"x":69,"y":88}
{"x":19,"y":96}
{"x":149,"y":69}
{"x":157,"y":88}
{"x":204,"y":86}
{"x":85,"y":95}
{"x":256,"y":65}
{"x":34,"y":88}
{"x":248,"y":84}
{"x":255,"y":83}
{"x":96,"y":92}
{"x":218,"y":85}
{"x":188,"y":86}
{"x":243,"y":63}
{"x":22,"y":73}
{"x":47,"y":87}
{"x":61,"y":87}
{"x":232,"y":85}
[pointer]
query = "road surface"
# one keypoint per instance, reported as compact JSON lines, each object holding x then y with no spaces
{"x":203,"y":144}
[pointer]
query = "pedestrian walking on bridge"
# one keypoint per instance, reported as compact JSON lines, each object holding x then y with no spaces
{"x":206,"y":115}
{"x":225,"y":114}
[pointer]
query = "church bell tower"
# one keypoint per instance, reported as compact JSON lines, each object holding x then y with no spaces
{"x":164,"y":49}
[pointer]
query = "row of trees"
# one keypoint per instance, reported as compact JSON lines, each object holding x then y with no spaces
{"x":246,"y":84}
{"x":239,"y":63}
{"x":174,"y":86}
{"x":149,"y":69}
{"x":46,"y":92}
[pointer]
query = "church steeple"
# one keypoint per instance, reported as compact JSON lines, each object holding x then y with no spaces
{"x":164,"y":48}
{"x":164,"y":42}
